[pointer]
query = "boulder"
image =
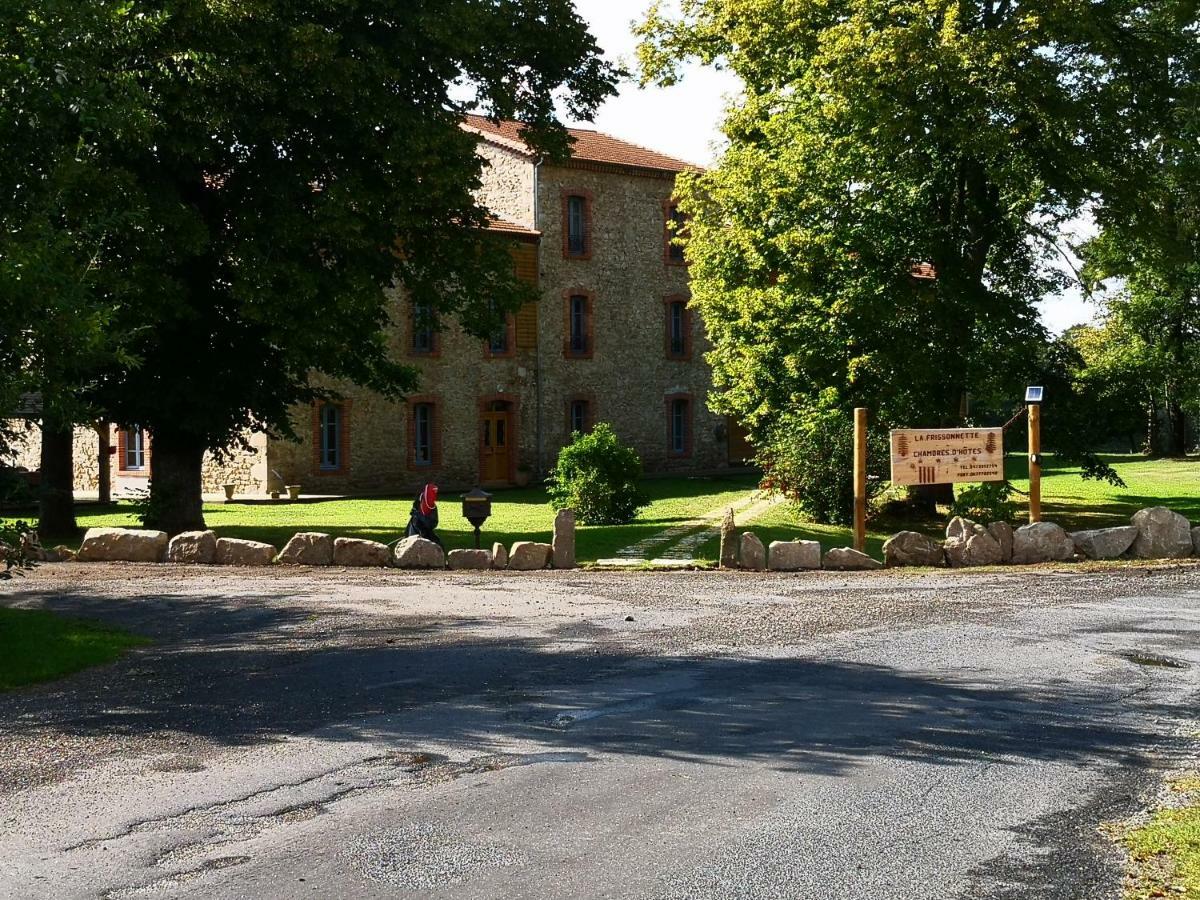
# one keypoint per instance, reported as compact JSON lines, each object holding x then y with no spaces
{"x":469,"y":559}
{"x":1195,"y":540}
{"x":792,"y":556}
{"x":124,"y":544}
{"x":355,"y":552}
{"x":729,"y":545}
{"x":1162,"y":534}
{"x":751,"y":552}
{"x":499,"y":556}
{"x":1105,"y":543}
{"x":527,"y":556}
{"x":1002,"y":534}
{"x":193,"y":547}
{"x":419,"y":553}
{"x":1042,"y":542}
{"x":911,"y":548}
{"x":61,"y":553}
{"x":978,"y":548}
{"x":308,"y":548}
{"x":960,"y":528}
{"x":846,"y":559}
{"x":563,"y":542}
{"x":235,"y":552}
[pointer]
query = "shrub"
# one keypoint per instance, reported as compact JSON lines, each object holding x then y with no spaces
{"x":597,"y":476}
{"x":16,"y":541}
{"x":989,"y":501}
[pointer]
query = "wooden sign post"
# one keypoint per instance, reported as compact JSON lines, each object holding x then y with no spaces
{"x":1035,"y":462}
{"x":860,"y":478}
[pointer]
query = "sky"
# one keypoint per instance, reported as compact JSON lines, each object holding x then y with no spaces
{"x":683,"y":121}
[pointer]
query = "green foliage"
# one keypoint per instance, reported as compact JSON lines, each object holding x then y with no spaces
{"x":986,"y":502}
{"x":36,"y":645}
{"x":597,"y":476}
{"x":808,"y":456}
{"x":16,"y":540}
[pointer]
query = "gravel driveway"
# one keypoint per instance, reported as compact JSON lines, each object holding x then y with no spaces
{"x":366,"y":734}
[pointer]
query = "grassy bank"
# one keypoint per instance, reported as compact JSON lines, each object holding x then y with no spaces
{"x":1164,"y":854}
{"x":39,"y":646}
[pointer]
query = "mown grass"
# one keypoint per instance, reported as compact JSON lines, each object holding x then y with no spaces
{"x":1164,"y":854}
{"x":36,"y":645}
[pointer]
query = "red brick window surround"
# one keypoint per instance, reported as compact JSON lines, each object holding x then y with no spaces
{"x":679,"y":425}
{"x":331,"y":437}
{"x":577,"y":223}
{"x":423,"y":339}
{"x":133,"y":452}
{"x":674,"y":226}
{"x":581,"y":414}
{"x":502,"y":343}
{"x":578,"y":324}
{"x":677,"y":339}
{"x":424,"y":433}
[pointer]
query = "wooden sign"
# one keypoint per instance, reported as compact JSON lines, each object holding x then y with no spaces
{"x":939,"y":456}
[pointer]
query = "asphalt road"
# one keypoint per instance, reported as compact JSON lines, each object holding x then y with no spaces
{"x":349,"y":734}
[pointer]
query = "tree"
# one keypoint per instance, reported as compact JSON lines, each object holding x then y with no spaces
{"x":954,"y":135}
{"x":294,"y":161}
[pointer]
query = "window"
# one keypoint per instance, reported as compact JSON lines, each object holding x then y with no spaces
{"x":577,"y":224}
{"x":675,"y":225}
{"x":424,"y":331}
{"x":679,"y":425}
{"x":422,"y":436}
{"x":678,"y":345}
{"x":330,"y":435}
{"x":500,"y":341}
{"x":580,"y":416}
{"x":578,"y":340}
{"x":134,"y":454}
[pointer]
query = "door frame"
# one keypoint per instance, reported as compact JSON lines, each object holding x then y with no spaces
{"x":513,"y":440}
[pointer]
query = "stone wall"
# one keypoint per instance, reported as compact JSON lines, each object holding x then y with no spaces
{"x":245,"y":467}
{"x":27,"y":454}
{"x":507,"y":188}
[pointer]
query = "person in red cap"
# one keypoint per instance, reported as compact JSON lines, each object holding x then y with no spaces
{"x":424,"y":517}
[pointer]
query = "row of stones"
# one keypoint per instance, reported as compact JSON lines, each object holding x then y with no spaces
{"x":311,"y":548}
{"x":1153,"y":533}
{"x":788,"y":556}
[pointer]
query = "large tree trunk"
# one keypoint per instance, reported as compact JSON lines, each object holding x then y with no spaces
{"x":1176,"y":428}
{"x":103,"y":463}
{"x":175,"y":487}
{"x":56,"y":497}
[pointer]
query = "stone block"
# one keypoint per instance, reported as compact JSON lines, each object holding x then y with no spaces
{"x":751,"y":553}
{"x":193,"y":547}
{"x":1105,"y":543}
{"x":1042,"y":542}
{"x":469,"y":559}
{"x":563,"y":542}
{"x":419,"y":553}
{"x":978,"y":548}
{"x":527,"y":556}
{"x":123,"y":544}
{"x":729,"y":545}
{"x":499,"y":556}
{"x":307,"y":548}
{"x":1196,"y":540}
{"x":1162,"y":534}
{"x":848,"y":559}
{"x":236,"y":552}
{"x":1002,"y":534}
{"x":356,"y":552}
{"x":792,"y":556}
{"x":911,"y":548}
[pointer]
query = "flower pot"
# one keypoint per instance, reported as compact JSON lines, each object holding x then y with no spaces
{"x":293,"y":491}
{"x":522,"y":478}
{"x":229,"y":489}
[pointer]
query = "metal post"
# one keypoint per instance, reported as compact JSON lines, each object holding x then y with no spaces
{"x":1035,"y":462}
{"x":860,"y":478}
{"x":476,"y":537}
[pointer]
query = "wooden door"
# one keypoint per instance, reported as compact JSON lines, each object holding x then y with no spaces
{"x":495,"y":447}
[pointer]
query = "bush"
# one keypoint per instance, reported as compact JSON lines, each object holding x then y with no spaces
{"x":597,"y":476}
{"x":990,"y":501}
{"x":16,"y":540}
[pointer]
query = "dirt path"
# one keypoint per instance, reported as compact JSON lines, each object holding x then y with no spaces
{"x":680,"y":542}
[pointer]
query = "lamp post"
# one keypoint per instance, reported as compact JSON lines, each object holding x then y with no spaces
{"x":476,"y":507}
{"x":1033,"y":399}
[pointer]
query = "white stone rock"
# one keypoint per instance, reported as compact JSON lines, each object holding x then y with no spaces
{"x":1042,"y":542}
{"x":563,"y":542}
{"x":193,"y":547}
{"x":236,"y":552}
{"x":847,"y":558}
{"x":792,"y":556}
{"x":1162,"y":534}
{"x":527,"y":556}
{"x":307,"y":548}
{"x":499,"y":556}
{"x":911,"y":548}
{"x":354,"y":552}
{"x":469,"y":559}
{"x":416,"y":552}
{"x":1002,"y":534}
{"x":1196,"y":540}
{"x":123,"y":544}
{"x":978,"y":548}
{"x":729,"y":544}
{"x":751,"y":553}
{"x":960,"y":527}
{"x":1105,"y":543}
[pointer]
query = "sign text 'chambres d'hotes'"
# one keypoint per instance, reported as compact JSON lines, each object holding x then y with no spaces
{"x":939,"y":456}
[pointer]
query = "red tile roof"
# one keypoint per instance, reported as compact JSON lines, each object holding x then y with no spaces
{"x":504,"y":226}
{"x":923,"y":271}
{"x":586,"y":146}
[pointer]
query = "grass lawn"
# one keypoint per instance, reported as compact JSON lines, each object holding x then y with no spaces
{"x":1164,"y":854}
{"x":37,"y":646}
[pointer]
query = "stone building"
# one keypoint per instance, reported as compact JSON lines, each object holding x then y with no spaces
{"x":610,"y":339}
